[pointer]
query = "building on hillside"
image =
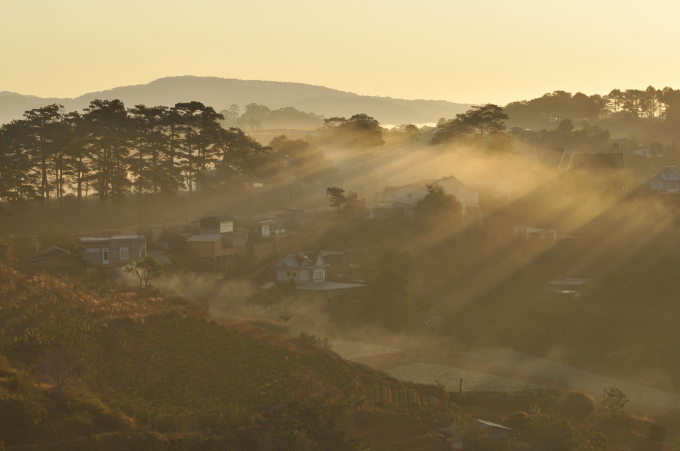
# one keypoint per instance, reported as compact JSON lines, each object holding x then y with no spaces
{"x":237,"y":238}
{"x":646,"y":153}
{"x":293,"y":214}
{"x":211,"y":247}
{"x":534,"y":233}
{"x":304,"y":267}
{"x":309,"y":272}
{"x":667,"y":181}
{"x":569,"y":286}
{"x":215,"y":224}
{"x":113,"y":251}
{"x":53,"y":258}
{"x":493,"y":432}
{"x":407,"y":196}
{"x":267,"y":227}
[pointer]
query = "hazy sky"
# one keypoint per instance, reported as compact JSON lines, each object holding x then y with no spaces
{"x":464,"y":51}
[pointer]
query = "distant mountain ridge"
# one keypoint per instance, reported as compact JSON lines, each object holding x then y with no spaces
{"x":220,"y":93}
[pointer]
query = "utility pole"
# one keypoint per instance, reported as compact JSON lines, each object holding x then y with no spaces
{"x":290,"y":201}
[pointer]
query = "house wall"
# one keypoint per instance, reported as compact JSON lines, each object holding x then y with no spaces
{"x":309,"y":274}
{"x":205,"y":248}
{"x":275,"y":228}
{"x":133,"y":249}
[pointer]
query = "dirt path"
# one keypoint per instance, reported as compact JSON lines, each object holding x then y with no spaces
{"x":575,"y":378}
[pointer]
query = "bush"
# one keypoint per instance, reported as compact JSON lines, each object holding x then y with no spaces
{"x":657,"y":432}
{"x":579,"y":405}
{"x":550,"y":432}
{"x":518,"y":421}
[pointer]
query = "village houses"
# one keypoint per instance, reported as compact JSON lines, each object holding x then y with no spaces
{"x":667,"y":181}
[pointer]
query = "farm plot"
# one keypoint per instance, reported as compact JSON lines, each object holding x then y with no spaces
{"x":575,"y":378}
{"x":354,"y":349}
{"x":425,"y":373}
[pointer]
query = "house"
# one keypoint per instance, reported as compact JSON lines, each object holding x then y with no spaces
{"x":161,"y":258}
{"x":304,"y":267}
{"x":407,"y":196}
{"x":293,"y":214}
{"x":667,"y":181}
{"x":569,"y":286}
{"x":268,"y":227}
{"x":215,"y":224}
{"x":646,"y":153}
{"x":113,"y":251}
{"x":492,"y":431}
{"x":309,"y":271}
{"x":237,"y":238}
{"x":211,"y":247}
{"x":535,"y":233}
{"x":53,"y":258}
{"x":332,"y":257}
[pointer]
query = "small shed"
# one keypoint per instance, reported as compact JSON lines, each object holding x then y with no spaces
{"x":53,"y":258}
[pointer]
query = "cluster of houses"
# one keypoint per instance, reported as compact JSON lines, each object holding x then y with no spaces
{"x":217,"y":240}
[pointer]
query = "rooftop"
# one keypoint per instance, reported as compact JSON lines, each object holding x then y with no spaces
{"x":54,"y":251}
{"x":96,"y":239}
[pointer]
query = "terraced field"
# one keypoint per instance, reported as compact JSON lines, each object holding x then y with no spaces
{"x":425,"y":373}
{"x":575,"y":378}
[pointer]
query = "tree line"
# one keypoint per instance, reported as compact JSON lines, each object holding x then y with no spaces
{"x":110,"y":151}
{"x":651,"y":103}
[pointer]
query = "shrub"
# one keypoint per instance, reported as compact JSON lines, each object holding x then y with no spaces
{"x":657,"y":432}
{"x":614,"y":402}
{"x":579,"y":405}
{"x":594,"y":441}
{"x":551,"y":432}
{"x":518,"y":421}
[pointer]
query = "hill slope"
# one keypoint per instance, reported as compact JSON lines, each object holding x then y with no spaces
{"x":221,"y":92}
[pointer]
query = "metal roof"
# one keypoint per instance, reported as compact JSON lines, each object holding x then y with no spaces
{"x":208,"y":237}
{"x":160,"y":256}
{"x":98,"y":239}
{"x":54,"y":251}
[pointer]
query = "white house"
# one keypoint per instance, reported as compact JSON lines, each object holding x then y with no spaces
{"x":667,"y":180}
{"x":273,"y":226}
{"x":304,"y":267}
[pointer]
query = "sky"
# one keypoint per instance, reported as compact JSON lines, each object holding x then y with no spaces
{"x":471,"y":51}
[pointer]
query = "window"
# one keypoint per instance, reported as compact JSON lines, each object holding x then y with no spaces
{"x":124,"y":253}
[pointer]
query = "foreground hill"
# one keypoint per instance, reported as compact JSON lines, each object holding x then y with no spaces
{"x":220,"y":93}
